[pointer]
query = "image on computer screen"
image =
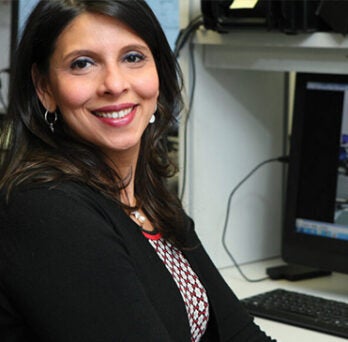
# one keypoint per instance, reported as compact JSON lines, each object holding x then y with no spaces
{"x":330,"y":141}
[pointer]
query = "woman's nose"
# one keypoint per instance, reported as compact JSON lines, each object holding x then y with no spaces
{"x":113,"y":81}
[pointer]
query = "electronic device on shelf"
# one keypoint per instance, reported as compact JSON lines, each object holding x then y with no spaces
{"x":303,"y":310}
{"x":288,"y":16}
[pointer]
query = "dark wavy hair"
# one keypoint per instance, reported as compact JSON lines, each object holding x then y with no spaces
{"x":34,"y":154}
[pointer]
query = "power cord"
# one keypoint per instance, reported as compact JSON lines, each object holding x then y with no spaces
{"x":184,"y":36}
{"x":185,"y":33}
{"x":283,"y":159}
{"x":186,"y":120}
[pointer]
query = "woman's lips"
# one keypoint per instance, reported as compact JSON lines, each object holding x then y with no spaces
{"x":116,"y":116}
{"x":113,"y":114}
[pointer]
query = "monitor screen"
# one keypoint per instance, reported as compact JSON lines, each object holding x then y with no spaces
{"x":316,"y":212}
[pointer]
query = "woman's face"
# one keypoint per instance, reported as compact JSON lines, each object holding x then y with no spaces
{"x":104,"y":81}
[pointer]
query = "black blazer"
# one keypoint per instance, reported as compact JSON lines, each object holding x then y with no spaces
{"x":74,"y":267}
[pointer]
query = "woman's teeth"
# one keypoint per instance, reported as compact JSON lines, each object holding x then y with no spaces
{"x":114,"y":115}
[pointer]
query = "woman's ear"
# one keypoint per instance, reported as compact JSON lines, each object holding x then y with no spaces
{"x":43,"y":89}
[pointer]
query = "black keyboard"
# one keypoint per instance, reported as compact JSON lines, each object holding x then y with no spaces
{"x":303,"y":310}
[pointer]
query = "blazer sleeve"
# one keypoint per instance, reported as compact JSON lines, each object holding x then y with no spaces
{"x":66,"y":274}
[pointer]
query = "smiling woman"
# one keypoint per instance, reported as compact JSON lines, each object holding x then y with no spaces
{"x":93,"y":245}
{"x":104,"y":83}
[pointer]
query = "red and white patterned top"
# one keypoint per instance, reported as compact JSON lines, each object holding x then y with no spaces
{"x":191,"y":289}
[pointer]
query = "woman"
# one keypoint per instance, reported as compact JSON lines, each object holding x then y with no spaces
{"x":93,"y":247}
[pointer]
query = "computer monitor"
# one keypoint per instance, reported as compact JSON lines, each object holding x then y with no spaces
{"x":315,"y":231}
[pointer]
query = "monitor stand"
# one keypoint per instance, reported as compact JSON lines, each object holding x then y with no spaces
{"x":294,"y":272}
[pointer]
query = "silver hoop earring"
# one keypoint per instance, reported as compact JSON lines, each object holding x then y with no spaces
{"x":50,"y":121}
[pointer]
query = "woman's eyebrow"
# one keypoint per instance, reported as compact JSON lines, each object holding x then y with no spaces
{"x":75,"y":53}
{"x":141,"y":47}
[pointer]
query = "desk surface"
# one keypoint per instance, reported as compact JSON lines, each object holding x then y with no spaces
{"x":332,"y":287}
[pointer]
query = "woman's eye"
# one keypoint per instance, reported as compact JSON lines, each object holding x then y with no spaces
{"x":81,"y":64}
{"x":134,"y":57}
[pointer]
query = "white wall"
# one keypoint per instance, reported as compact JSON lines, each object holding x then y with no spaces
{"x":237,"y":121}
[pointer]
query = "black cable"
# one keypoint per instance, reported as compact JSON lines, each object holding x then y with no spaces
{"x":283,"y":159}
{"x":184,"y":36}
{"x":187,"y":116}
{"x":186,"y":32}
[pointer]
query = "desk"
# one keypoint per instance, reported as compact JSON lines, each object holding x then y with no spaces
{"x":332,"y":287}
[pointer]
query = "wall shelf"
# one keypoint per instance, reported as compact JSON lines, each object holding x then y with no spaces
{"x":275,"y":51}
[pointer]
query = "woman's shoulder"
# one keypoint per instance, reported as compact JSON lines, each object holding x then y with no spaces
{"x":39,"y":198}
{"x":43,"y":191}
